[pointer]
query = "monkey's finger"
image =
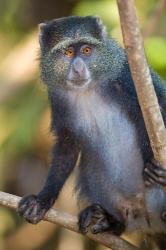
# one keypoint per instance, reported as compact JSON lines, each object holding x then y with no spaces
{"x":25,"y":202}
{"x":85,"y":218}
{"x":98,"y":212}
{"x":148,"y":180}
{"x":101,"y":226}
{"x":155,"y":167}
{"x":153,"y":177}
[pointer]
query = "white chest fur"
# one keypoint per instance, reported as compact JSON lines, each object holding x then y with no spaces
{"x":112,"y":136}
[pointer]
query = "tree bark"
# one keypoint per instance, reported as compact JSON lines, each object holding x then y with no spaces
{"x":142,"y":79}
{"x":70,"y":222}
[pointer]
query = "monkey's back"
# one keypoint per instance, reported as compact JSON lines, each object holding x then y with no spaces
{"x":111,"y":165}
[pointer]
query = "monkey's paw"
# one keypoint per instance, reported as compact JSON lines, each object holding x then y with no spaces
{"x":99,"y":221}
{"x":153,"y":173}
{"x":32,"y":208}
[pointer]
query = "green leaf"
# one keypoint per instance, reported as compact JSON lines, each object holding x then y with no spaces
{"x":156,"y":53}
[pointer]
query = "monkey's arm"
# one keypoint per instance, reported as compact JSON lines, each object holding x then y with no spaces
{"x":65,"y":154}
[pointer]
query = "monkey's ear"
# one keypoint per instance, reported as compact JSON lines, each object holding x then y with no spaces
{"x":101,"y":26}
{"x":46,"y":35}
{"x":41,"y":28}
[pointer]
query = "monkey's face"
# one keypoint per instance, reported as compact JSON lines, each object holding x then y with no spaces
{"x":71,"y":51}
{"x":74,"y":66}
{"x":75,"y":53}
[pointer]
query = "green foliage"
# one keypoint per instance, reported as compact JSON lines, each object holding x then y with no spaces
{"x":156,"y":53}
{"x":10,"y":13}
{"x":23,"y":112}
{"x":106,"y":9}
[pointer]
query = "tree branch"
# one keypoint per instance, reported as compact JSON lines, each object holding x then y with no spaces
{"x":70,"y":222}
{"x":142,"y":79}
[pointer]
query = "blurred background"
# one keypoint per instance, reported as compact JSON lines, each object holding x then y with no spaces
{"x":25,"y":140}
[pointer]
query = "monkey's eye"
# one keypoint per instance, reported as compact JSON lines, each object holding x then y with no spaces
{"x":69,"y":52}
{"x":86,"y":50}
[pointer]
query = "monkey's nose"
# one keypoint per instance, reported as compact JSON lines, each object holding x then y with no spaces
{"x":78,"y":72}
{"x":78,"y":66}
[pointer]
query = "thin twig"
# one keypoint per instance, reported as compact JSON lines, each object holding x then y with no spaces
{"x":70,"y":222}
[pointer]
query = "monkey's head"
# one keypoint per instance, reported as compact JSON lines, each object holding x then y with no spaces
{"x":75,"y":52}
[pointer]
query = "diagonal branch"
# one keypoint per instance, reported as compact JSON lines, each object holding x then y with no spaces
{"x":70,"y":222}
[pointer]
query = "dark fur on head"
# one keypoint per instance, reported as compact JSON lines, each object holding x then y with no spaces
{"x":74,"y":28}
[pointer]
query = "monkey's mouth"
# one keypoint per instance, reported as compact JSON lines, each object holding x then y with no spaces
{"x":78,"y":82}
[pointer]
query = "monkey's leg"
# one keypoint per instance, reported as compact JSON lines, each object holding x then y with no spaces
{"x":99,"y":221}
{"x":33,"y":207}
{"x":153,"y":173}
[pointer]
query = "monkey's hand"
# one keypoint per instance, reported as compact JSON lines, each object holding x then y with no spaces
{"x":153,"y":173}
{"x":99,"y":221}
{"x":33,"y":208}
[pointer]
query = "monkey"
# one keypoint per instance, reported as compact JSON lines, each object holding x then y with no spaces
{"x":96,"y":114}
